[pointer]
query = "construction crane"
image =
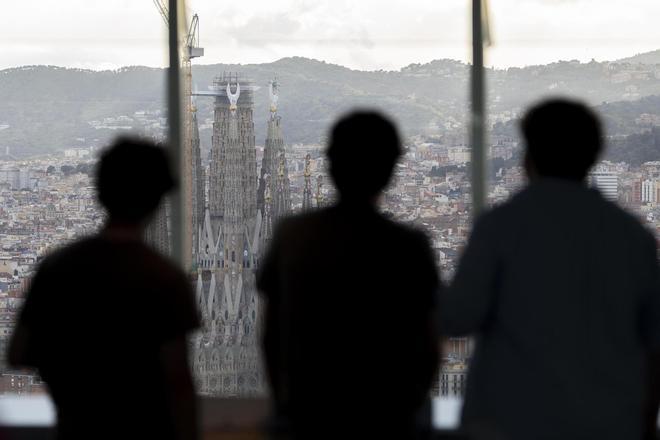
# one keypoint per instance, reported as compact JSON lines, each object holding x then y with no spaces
{"x":162,"y":9}
{"x":189,"y":49}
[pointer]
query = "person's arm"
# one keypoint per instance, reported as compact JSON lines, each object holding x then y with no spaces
{"x":268,"y":286}
{"x":652,"y":403}
{"x":432,"y":354}
{"x":272,"y":351}
{"x":176,"y":317}
{"x":650,"y":310}
{"x":180,"y":390}
{"x":464,"y":305}
{"x":432,"y":288}
{"x":18,"y":352}
{"x":22,"y":351}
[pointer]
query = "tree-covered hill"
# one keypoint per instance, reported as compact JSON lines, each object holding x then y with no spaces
{"x":44,"y":108}
{"x":651,"y":58}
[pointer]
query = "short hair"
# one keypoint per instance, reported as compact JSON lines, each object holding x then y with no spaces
{"x":364,"y":147}
{"x":563,"y":137}
{"x":132,"y":177}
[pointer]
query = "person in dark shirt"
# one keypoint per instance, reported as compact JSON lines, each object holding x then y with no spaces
{"x":562,"y":290}
{"x":349,"y":341}
{"x":105,"y":319}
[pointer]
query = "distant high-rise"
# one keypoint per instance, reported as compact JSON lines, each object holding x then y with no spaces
{"x":607,"y":182}
{"x":225,"y":358}
{"x":650,"y":191}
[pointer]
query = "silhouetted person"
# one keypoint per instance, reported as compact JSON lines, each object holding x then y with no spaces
{"x":105,"y":318}
{"x":349,"y":344}
{"x":562,"y":290}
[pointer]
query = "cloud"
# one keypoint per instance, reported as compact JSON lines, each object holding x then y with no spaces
{"x":264,"y":29}
{"x":361,"y":34}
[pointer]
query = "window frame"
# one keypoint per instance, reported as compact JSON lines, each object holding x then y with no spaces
{"x":175,"y":121}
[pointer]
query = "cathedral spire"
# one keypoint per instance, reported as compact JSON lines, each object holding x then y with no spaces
{"x":273,"y":93}
{"x":282,"y":204}
{"x":307,"y":189}
{"x":227,"y":357}
{"x":274,"y":163}
{"x":319,"y":192}
{"x":198,"y":196}
{"x":267,"y":217}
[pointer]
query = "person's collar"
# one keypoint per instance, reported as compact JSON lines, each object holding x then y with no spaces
{"x":122,"y":231}
{"x":558,"y":183}
{"x":357,"y":204}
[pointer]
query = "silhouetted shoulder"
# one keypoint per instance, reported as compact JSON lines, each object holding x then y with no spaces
{"x":554,"y":198}
{"x":95,"y":270}
{"x":414,"y":236}
{"x":621,"y":218}
{"x":288,"y":225}
{"x":341,"y":220}
{"x":97,"y":250}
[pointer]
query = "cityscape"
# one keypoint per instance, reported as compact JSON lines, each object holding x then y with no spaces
{"x":249,"y":167}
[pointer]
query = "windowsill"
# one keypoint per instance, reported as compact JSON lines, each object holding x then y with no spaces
{"x":221,"y":418}
{"x":217,"y":414}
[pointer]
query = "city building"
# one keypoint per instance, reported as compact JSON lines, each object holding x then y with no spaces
{"x":650,"y":190}
{"x":607,"y":182}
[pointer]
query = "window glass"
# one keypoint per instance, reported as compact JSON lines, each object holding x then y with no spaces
{"x":601,"y":52}
{"x":324,"y":58}
{"x":73,"y":76}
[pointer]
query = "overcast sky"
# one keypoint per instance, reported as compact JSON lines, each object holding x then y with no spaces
{"x":361,"y":34}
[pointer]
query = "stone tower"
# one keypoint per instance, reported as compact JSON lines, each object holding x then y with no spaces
{"x":274,"y":164}
{"x":226,"y":351}
{"x":157,"y":232}
{"x":307,"y":188}
{"x":282,"y":196}
{"x":267,"y":222}
{"x":320,"y":202}
{"x":198,"y":179}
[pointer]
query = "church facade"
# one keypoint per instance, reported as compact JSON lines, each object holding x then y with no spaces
{"x":241,"y":208}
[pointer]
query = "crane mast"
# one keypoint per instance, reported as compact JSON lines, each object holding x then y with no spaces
{"x":162,"y":9}
{"x":190,"y":49}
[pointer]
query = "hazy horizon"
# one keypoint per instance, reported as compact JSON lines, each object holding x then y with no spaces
{"x":101,"y":35}
{"x":201,"y":64}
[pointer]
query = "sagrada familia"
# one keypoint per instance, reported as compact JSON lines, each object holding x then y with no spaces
{"x":234,"y":220}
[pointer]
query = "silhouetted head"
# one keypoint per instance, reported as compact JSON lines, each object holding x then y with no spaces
{"x":131,"y":178}
{"x":563,"y":139}
{"x":364,"y":146}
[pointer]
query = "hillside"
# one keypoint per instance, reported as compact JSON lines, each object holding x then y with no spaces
{"x":43,"y":108}
{"x":652,"y":58}
{"x":49,"y":107}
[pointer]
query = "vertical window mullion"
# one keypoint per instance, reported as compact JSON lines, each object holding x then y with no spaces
{"x":477,"y":111}
{"x":174,"y":138}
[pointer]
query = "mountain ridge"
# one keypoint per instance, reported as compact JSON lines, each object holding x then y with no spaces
{"x":45,"y":108}
{"x":650,"y":58}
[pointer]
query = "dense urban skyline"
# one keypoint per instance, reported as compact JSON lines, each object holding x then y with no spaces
{"x":46,"y":185}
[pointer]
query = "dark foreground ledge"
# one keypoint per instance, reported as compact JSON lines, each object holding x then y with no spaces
{"x":227,"y":419}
